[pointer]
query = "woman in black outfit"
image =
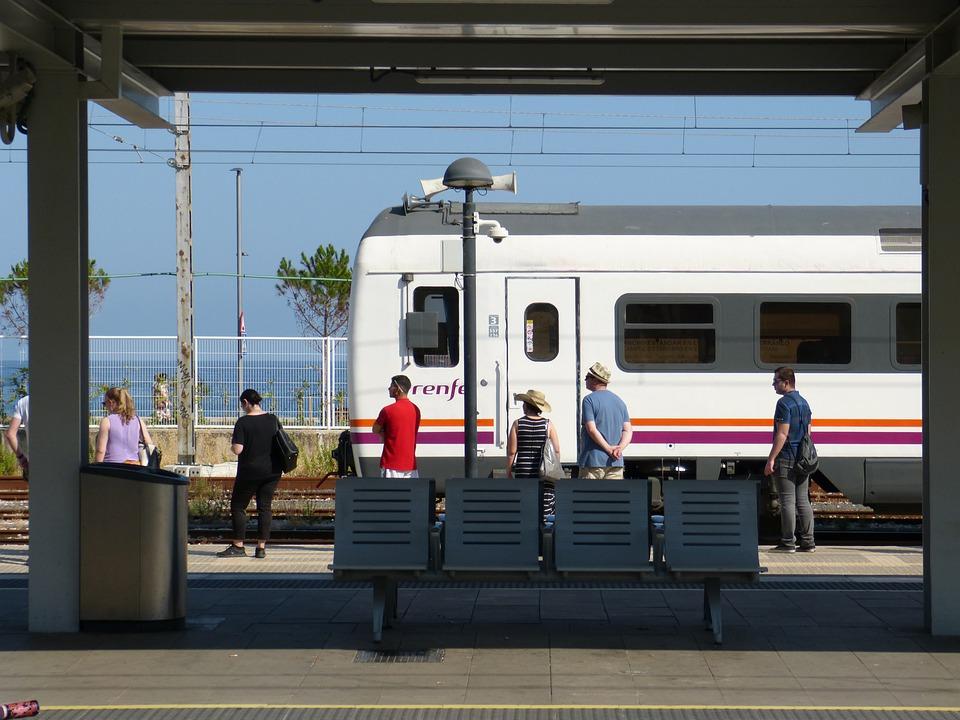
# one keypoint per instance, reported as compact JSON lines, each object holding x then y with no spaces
{"x":258,"y":472}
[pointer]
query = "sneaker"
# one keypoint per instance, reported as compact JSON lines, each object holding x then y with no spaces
{"x":260,"y":553}
{"x":809,"y":548}
{"x":232,"y":551}
{"x":783,"y":549}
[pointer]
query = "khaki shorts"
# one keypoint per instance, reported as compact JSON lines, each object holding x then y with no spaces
{"x":601,"y":473}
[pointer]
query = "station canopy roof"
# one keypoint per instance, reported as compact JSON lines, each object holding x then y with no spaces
{"x":873,"y":49}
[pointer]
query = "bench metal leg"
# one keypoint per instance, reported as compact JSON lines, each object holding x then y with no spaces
{"x":390,"y":605}
{"x":379,"y":606}
{"x":711,"y":608}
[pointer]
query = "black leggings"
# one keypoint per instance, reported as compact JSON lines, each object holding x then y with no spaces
{"x":243,"y":490}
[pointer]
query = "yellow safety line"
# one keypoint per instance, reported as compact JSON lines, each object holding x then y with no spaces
{"x":281,"y":706}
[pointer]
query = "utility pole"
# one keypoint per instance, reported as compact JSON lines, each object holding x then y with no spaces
{"x":241,"y":326}
{"x":186,"y":441}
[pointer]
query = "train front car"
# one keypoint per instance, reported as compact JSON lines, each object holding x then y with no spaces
{"x":691,"y":307}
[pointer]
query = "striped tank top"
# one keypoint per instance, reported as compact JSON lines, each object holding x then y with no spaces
{"x":531,"y":435}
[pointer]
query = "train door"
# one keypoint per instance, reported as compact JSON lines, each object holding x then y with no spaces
{"x":543,"y":351}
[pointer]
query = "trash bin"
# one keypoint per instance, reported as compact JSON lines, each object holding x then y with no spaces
{"x":133,"y":548}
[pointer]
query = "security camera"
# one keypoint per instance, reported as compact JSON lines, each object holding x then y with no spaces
{"x":497,"y":234}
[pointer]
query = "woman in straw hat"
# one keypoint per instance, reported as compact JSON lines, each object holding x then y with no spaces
{"x":527,"y":437}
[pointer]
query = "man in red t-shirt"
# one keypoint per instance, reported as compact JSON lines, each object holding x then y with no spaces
{"x":398,"y":424}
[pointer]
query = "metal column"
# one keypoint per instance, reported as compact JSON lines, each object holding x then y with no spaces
{"x":57,"y":200}
{"x":940,"y":176}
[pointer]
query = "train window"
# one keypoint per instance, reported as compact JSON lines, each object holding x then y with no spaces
{"x":667,"y":333}
{"x":444,"y":301}
{"x":805,"y":333}
{"x":908,"y":333}
{"x":541,"y":323}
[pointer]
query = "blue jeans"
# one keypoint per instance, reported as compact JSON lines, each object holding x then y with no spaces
{"x":796,"y":513}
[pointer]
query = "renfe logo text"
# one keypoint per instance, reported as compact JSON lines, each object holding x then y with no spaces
{"x":450,"y":391}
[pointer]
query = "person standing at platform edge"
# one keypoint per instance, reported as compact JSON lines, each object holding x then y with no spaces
{"x":258,"y":473}
{"x":790,"y":419}
{"x":398,"y":425}
{"x":606,"y":429}
{"x":16,"y":434}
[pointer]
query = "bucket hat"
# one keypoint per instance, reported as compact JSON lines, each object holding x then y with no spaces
{"x":535,"y":398}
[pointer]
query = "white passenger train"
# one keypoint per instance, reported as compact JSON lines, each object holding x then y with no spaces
{"x":692,"y":308}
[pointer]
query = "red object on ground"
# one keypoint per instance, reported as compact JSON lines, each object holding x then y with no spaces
{"x":22,"y":709}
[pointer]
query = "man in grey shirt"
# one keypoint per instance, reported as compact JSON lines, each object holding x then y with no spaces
{"x":606,"y":428}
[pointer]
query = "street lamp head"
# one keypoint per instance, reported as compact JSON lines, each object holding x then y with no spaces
{"x":467,"y":174}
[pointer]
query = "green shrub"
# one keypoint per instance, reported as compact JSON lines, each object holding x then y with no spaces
{"x":317,"y":463}
{"x":207,"y":501}
{"x":9,"y":467}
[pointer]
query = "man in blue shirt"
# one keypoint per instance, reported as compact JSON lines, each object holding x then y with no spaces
{"x":790,"y":421}
{"x":606,"y":428}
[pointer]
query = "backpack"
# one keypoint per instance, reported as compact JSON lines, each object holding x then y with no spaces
{"x":805,"y":459}
{"x":285,"y":450}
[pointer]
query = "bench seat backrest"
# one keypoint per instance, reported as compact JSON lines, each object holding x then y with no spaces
{"x":602,"y":525}
{"x":710,"y":526}
{"x":492,"y":524}
{"x":383,"y":523}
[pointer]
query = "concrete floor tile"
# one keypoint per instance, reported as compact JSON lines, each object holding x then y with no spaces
{"x":335,"y":696}
{"x":629,"y":599}
{"x":734,"y":663}
{"x":562,"y":695}
{"x":784,"y":686}
{"x":601,"y":683}
{"x":423,"y":696}
{"x":852,"y":698}
{"x":667,"y":662}
{"x":896,"y":665}
{"x":592,"y":662}
{"x":774,"y":697}
{"x":825,"y":663}
{"x":507,"y":695}
{"x":667,"y":694}
{"x":928,"y":698}
{"x":514,"y":681}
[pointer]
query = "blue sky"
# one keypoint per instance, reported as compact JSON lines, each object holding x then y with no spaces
{"x":317,"y":169}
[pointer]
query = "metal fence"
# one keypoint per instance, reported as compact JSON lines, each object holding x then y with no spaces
{"x":302,"y":380}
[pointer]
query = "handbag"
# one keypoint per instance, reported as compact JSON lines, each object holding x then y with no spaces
{"x":550,"y":467}
{"x":805,"y":459}
{"x":284,"y":448}
{"x":149,"y":455}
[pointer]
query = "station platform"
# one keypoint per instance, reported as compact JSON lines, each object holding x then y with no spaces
{"x":838,"y":633}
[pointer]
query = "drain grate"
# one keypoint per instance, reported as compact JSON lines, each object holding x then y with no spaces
{"x":431,"y":655}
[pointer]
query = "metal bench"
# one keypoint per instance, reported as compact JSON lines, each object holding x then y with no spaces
{"x":385,"y":532}
{"x":710,"y":536}
{"x":602,"y":526}
{"x":492,"y":524}
{"x":382,"y":529}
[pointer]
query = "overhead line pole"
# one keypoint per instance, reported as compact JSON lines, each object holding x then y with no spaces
{"x":185,"y":407}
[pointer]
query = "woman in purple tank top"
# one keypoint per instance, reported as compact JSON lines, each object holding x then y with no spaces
{"x":121,"y":430}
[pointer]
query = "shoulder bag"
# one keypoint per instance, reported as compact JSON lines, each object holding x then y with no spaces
{"x":285,"y":450}
{"x":805,"y":459}
{"x":149,"y":455}
{"x":550,"y":467}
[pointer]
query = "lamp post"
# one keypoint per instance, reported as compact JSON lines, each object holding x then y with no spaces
{"x":240,"y":323}
{"x":469,"y":174}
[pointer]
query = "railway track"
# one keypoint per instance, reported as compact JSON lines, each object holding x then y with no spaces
{"x":303,"y":511}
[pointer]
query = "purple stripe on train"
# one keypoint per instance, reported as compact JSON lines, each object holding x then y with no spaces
{"x":692,"y":437}
{"x":734,"y":437}
{"x":452,"y":437}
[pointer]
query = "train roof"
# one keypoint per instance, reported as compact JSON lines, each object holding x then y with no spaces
{"x":576,"y":219}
